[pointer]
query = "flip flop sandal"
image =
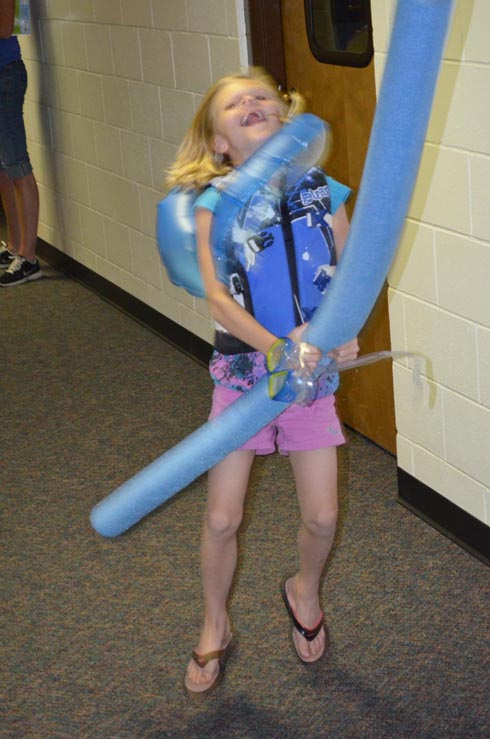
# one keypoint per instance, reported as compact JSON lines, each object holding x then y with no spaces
{"x":308,"y":634}
{"x":202,"y":660}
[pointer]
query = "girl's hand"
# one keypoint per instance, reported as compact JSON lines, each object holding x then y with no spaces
{"x":310,"y":354}
{"x":347,"y":351}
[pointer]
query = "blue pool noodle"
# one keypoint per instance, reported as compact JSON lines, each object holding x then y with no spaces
{"x":395,"y":148}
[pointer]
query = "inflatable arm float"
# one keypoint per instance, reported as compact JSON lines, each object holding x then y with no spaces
{"x":397,"y":139}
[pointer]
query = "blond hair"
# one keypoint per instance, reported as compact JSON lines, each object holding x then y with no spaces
{"x":197,"y":163}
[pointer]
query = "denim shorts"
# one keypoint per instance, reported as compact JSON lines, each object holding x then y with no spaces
{"x":14,"y":159}
{"x":297,"y":429}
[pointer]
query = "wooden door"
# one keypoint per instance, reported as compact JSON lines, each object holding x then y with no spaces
{"x":346,"y":98}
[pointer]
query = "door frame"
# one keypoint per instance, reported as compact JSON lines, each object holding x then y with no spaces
{"x":267,"y":47}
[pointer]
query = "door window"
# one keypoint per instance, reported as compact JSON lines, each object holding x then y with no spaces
{"x":340,"y":31}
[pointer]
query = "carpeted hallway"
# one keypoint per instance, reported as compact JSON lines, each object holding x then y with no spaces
{"x":96,"y":632}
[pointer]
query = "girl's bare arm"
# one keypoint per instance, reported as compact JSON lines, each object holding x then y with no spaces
{"x":340,"y":224}
{"x":350,"y":350}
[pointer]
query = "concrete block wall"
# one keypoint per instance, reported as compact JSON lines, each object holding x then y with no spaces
{"x":113,"y":85}
{"x":440,"y":280}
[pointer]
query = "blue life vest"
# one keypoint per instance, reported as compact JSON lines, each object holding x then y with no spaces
{"x":280,"y":271}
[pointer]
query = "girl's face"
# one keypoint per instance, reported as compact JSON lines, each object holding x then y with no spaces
{"x":245,"y":114}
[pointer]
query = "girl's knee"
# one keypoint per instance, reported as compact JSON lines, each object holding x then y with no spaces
{"x":222,"y":523}
{"x":321,"y":522}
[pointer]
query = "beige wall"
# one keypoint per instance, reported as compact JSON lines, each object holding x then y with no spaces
{"x":113,"y":85}
{"x":440,"y":281}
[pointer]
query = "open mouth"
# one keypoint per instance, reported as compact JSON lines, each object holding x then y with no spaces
{"x":252,"y":118}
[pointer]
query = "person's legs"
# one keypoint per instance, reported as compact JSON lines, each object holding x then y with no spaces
{"x":7,"y":193}
{"x":228,"y":482}
{"x":25,"y":266}
{"x":315,"y":475}
{"x":28,"y":203}
{"x":16,"y":164}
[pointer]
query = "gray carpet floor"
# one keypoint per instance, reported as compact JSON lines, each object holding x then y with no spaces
{"x":96,"y":632}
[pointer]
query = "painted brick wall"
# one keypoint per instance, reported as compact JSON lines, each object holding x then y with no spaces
{"x":440,"y":281}
{"x":113,"y":85}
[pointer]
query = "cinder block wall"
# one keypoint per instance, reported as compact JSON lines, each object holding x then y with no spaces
{"x":113,"y":85}
{"x":440,"y":281}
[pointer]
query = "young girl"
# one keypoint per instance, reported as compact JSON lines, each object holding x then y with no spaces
{"x":237,"y":115}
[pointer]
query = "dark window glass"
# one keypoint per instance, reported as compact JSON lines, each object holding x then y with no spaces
{"x":339,"y":31}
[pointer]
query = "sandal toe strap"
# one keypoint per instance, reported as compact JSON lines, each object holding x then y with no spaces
{"x":309,"y":634}
{"x":202,"y":659}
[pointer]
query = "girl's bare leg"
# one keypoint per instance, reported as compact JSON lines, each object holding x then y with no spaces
{"x":315,"y":474}
{"x":228,"y":482}
{"x":9,"y":202}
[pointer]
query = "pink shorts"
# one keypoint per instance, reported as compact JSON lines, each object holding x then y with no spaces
{"x":297,"y":429}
